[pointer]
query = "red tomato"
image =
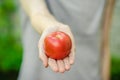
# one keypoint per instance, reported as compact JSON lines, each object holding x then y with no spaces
{"x":57,"y":45}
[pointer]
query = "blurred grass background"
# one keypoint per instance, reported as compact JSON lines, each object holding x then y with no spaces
{"x":11,"y":48}
{"x":10,"y":42}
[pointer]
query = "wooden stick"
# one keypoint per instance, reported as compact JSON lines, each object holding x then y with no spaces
{"x":105,"y":50}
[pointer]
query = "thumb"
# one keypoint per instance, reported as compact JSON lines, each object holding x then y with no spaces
{"x":43,"y":57}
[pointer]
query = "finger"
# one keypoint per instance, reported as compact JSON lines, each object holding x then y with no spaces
{"x":43,"y":57}
{"x":71,"y":57}
{"x":67,"y":64}
{"x":73,"y":50}
{"x":61,"y":66}
{"x":53,"y":64}
{"x":67,"y":30}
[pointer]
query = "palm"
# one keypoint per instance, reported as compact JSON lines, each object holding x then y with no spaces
{"x":57,"y":65}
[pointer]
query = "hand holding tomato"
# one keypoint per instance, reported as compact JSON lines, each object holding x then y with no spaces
{"x":64,"y":62}
{"x":57,"y":45}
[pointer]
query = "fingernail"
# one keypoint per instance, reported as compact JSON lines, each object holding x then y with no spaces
{"x":67,"y":68}
{"x":71,"y":61}
{"x":44,"y":64}
{"x":55,"y":69}
{"x":63,"y":72}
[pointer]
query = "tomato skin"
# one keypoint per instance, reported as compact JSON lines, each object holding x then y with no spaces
{"x":57,"y":45}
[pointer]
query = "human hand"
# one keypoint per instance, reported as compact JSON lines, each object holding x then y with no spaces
{"x":42,"y":20}
{"x":57,"y":65}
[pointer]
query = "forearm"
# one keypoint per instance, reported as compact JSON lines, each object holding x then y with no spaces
{"x":38,"y":13}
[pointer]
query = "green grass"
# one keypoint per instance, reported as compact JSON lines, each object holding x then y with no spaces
{"x":10,"y":44}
